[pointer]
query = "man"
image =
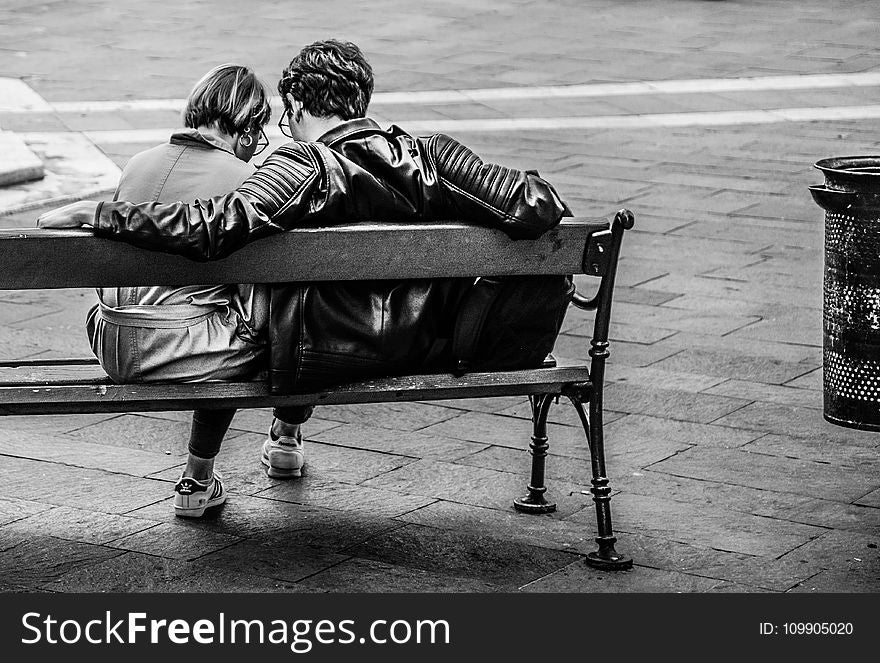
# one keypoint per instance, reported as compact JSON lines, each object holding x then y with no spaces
{"x":342,"y":168}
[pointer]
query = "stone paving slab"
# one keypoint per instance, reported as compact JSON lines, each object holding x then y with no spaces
{"x":783,"y":395}
{"x":259,"y":421}
{"x":34,"y":560}
{"x":140,"y":433}
{"x":775,"y":503}
{"x":566,"y":468}
{"x":12,"y":509}
{"x":763,"y":369}
{"x":759,"y":572}
{"x":855,"y":547}
{"x":547,"y":531}
{"x":712,"y":527}
{"x":405,"y":416}
{"x":490,"y":404}
{"x":654,"y":376}
{"x":472,"y":485}
{"x":48,"y":424}
{"x":730,"y":344}
{"x":561,"y":412}
{"x":79,"y":525}
{"x":272,"y":561}
{"x":136,"y":572}
{"x":370,"y":576}
{"x":78,"y":487}
{"x":670,"y":403}
{"x":792,"y":420}
{"x":578,"y":577}
{"x":804,"y":477}
{"x":343,"y":496}
{"x":871,"y":499}
{"x":173,"y":542}
{"x":42,"y":342}
{"x":65,"y":451}
{"x":407,"y":443}
{"x":842,"y":453}
{"x":856,"y":579}
{"x":623,"y":453}
{"x":279,"y":523}
{"x":626,"y":435}
{"x":506,"y":563}
{"x":511,"y":432}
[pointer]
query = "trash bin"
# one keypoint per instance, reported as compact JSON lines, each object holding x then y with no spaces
{"x":851,"y":303}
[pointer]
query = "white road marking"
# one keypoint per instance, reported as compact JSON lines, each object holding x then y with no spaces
{"x":688,"y":86}
{"x":696,"y":119}
{"x":18,"y":97}
{"x":644,"y":121}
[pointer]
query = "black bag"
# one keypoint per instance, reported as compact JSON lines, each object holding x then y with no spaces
{"x":509,"y":322}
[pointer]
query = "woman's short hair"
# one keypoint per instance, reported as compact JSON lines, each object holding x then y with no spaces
{"x":230,"y":97}
{"x":329,"y":78}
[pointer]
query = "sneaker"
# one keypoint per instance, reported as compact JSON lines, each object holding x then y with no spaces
{"x":192,"y":497}
{"x":283,"y":457}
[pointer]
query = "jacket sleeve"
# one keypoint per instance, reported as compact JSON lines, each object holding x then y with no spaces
{"x":519,"y":202}
{"x":279,"y":194}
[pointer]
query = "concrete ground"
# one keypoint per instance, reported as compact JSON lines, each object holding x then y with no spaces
{"x":726,"y":476}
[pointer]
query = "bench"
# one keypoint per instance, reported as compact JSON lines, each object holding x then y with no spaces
{"x":38,"y":259}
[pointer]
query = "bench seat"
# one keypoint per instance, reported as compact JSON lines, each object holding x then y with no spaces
{"x":79,"y":386}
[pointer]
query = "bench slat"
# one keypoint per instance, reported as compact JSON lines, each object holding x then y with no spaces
{"x":360,"y":251}
{"x":52,"y":374}
{"x":72,"y":397}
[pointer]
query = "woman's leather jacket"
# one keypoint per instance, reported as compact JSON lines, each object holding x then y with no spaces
{"x":333,"y":332}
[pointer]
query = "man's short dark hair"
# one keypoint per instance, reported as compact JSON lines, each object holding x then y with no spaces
{"x":329,"y":78}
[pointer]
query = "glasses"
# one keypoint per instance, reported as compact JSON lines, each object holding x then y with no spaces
{"x":262,"y":143}
{"x":284,"y":125}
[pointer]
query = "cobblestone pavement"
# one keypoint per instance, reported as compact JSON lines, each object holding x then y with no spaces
{"x":726,"y":477}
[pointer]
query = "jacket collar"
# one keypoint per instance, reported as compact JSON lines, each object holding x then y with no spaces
{"x":193,"y":137}
{"x":347,"y":129}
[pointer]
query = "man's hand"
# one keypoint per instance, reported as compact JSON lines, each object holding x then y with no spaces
{"x":70,"y":216}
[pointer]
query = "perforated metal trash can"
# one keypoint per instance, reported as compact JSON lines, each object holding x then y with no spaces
{"x":851,"y":310}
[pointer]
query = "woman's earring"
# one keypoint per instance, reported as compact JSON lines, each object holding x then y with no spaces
{"x":249,"y":140}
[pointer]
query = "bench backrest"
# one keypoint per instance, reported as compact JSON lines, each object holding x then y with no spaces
{"x":38,"y":258}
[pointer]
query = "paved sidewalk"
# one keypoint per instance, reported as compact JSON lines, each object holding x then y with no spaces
{"x":726,"y":477}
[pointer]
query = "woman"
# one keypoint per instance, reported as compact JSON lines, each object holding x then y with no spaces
{"x":195,"y":333}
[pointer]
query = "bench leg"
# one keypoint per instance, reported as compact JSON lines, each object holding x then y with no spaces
{"x":606,"y":557}
{"x":535,"y":502}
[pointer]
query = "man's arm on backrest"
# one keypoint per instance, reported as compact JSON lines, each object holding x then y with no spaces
{"x":213,"y":228}
{"x":519,"y":202}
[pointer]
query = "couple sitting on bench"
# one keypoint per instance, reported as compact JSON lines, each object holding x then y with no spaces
{"x":340,"y":168}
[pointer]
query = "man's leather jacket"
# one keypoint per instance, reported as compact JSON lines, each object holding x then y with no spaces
{"x":355,"y":172}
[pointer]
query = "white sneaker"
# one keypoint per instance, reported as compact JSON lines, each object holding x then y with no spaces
{"x":192,"y":497}
{"x":283,"y":457}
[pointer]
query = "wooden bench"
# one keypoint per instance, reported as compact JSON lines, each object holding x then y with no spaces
{"x":36,"y":259}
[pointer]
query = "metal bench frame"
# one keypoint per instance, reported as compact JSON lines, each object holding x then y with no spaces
{"x":47,"y":259}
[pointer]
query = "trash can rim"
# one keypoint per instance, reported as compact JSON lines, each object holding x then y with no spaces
{"x":849,"y":165}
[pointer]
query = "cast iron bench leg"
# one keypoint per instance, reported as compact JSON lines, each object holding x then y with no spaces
{"x":535,"y":502}
{"x":606,"y":558}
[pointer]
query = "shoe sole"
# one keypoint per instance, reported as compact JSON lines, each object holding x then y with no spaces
{"x":279,"y":473}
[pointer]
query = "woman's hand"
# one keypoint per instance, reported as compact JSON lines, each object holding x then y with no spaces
{"x":76,"y":214}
